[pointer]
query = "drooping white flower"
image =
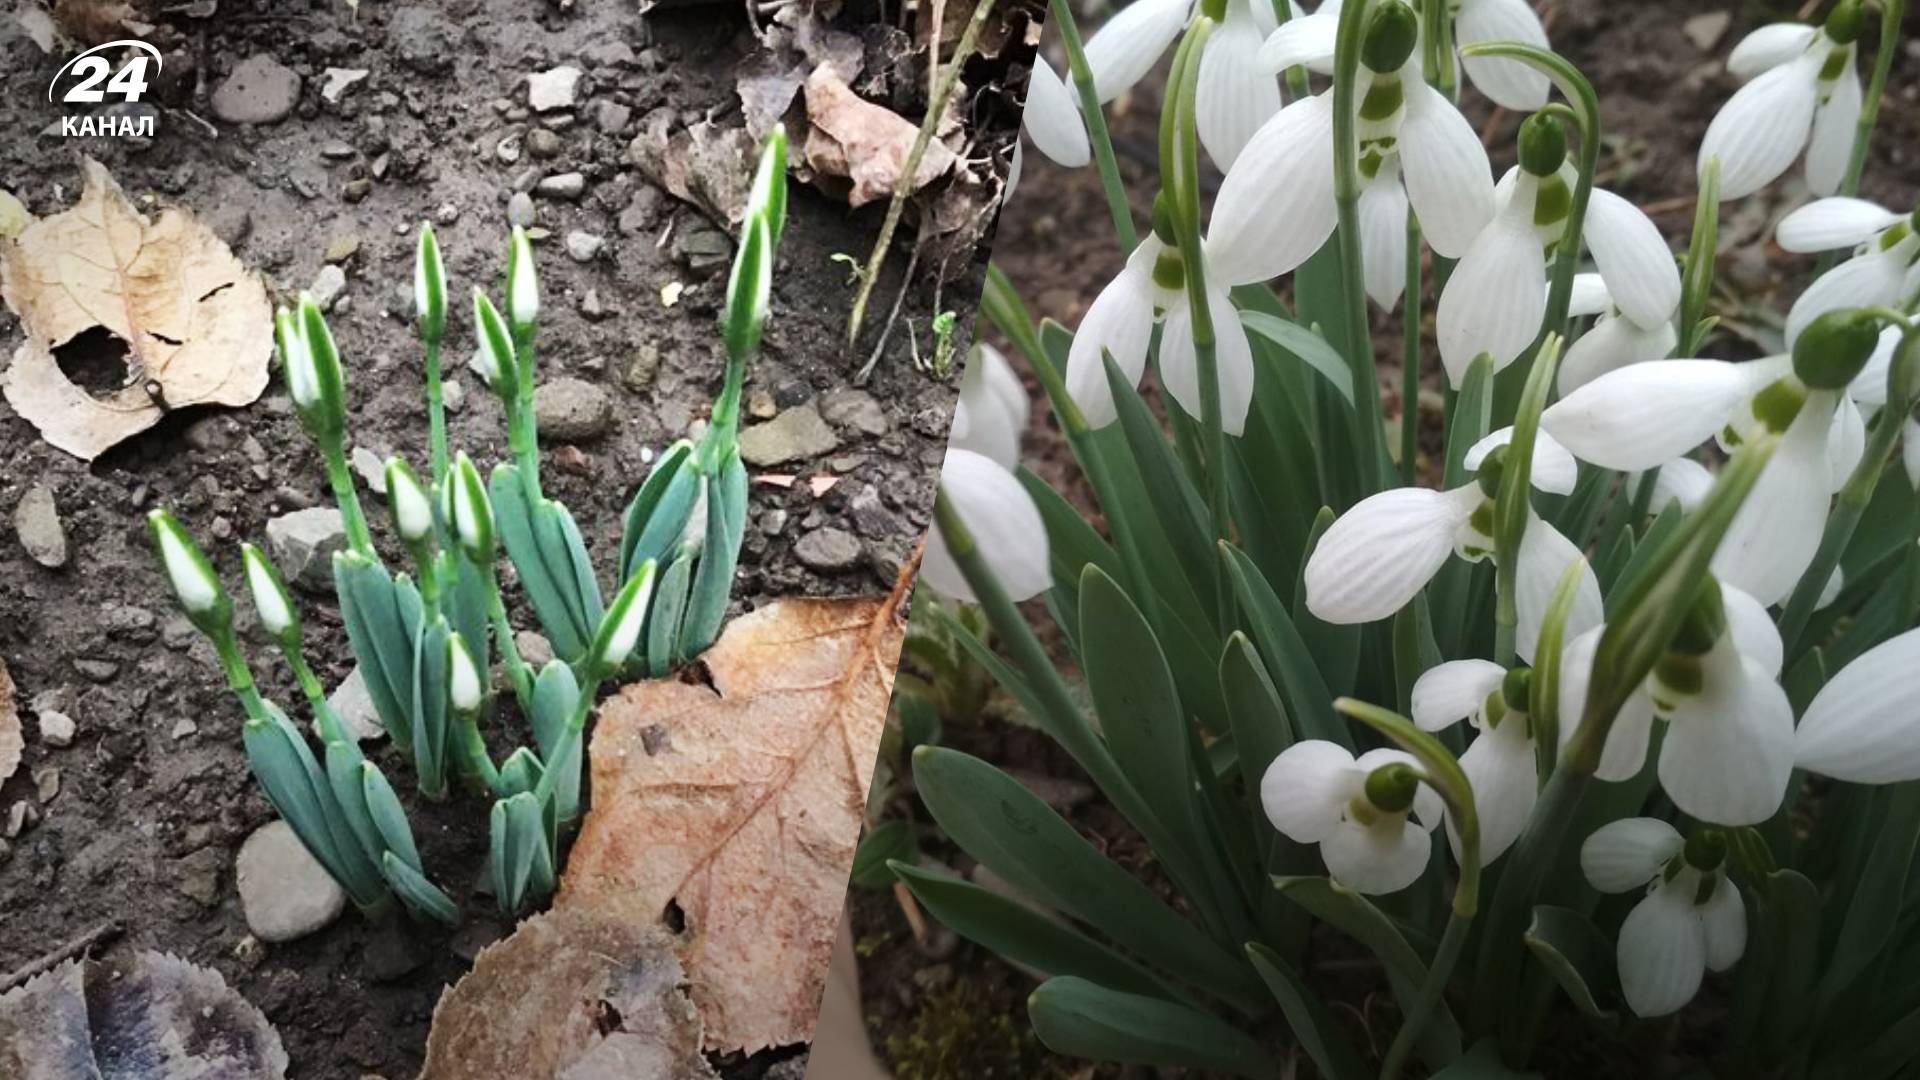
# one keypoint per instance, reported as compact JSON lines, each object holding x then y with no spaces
{"x":1006,"y":526}
{"x":1377,"y":556}
{"x":1682,"y":480}
{"x":1120,"y":320}
{"x":1614,"y":341}
{"x":1509,"y":83}
{"x":1728,"y":752}
{"x":1277,"y":207}
{"x":1052,"y":119}
{"x":992,"y":412}
{"x":1884,"y":269}
{"x":1370,"y":816}
{"x":1692,"y":919}
{"x":1802,"y":93}
{"x":1500,"y":764}
{"x":1864,"y":725}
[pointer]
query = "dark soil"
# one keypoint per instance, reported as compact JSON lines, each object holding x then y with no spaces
{"x":1658,"y":91}
{"x":154,"y":796}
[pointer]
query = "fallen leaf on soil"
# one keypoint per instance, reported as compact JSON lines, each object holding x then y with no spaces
{"x":196,"y":325}
{"x":866,"y":143}
{"x":11,"y":741}
{"x":14,"y":218}
{"x":741,"y":803}
{"x":799,"y":41}
{"x":575,"y":995}
{"x":91,"y":22}
{"x":155,"y":1015}
{"x":704,"y":164}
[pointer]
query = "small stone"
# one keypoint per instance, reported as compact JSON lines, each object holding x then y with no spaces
{"x":56,"y":728}
{"x":583,"y":247}
{"x":856,"y":409}
{"x":566,"y":186}
{"x":342,"y":248}
{"x":542,"y":143}
{"x":453,"y":395}
{"x":46,"y":784}
{"x":353,"y":704}
{"x":534,"y":648}
{"x":183,"y":728}
{"x":773,"y":522}
{"x":19,"y":816}
{"x":796,"y":433}
{"x":609,"y":52}
{"x":37,"y":522}
{"x":199,"y":876}
{"x":284,"y":891}
{"x":701,"y":248}
{"x":507,"y":150}
{"x":356,"y":190}
{"x":553,"y":89}
{"x":328,"y":284}
{"x":520,"y":210}
{"x":96,"y":670}
{"x":372,"y":470}
{"x":303,"y":543}
{"x":571,"y":410}
{"x":828,"y":549}
{"x":261,"y":90}
{"x":611,"y":117}
{"x":338,"y":80}
{"x":592,"y":307}
{"x":447,"y":214}
{"x":1706,"y":30}
{"x":643,"y":367}
{"x":870,"y":515}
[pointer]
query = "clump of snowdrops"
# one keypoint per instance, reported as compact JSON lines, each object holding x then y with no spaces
{"x":425,"y":640}
{"x":1644,"y":646}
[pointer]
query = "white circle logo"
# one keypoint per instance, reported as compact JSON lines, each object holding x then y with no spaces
{"x":94,"y":79}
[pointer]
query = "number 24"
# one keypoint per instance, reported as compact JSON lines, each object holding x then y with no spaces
{"x":130,"y":80}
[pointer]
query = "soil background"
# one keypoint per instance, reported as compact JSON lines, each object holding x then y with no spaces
{"x":941,"y":1008}
{"x":139,"y":819}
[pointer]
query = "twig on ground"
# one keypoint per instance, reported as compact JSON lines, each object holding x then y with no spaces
{"x":893,"y":315}
{"x":101,"y":931}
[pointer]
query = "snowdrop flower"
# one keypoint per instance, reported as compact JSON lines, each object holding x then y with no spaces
{"x":1863,"y":726}
{"x":1651,"y":414}
{"x":1381,"y":553}
{"x":1728,"y":752}
{"x":1371,"y":816}
{"x":470,"y":511}
{"x":1277,"y":206}
{"x":1496,"y":298}
{"x":190,"y":575}
{"x":1614,"y":341}
{"x":1802,"y":93}
{"x":1682,"y":480}
{"x":1153,"y":285}
{"x":429,"y":286}
{"x":412,"y":509}
{"x":1052,"y":120}
{"x":619,"y":629}
{"x":523,"y":285}
{"x":303,"y":382}
{"x":1006,"y":527}
{"x":1509,"y":83}
{"x":1884,"y":269}
{"x":1691,"y":920}
{"x":463,"y":679}
{"x":992,"y":413}
{"x":270,"y":599}
{"x":1910,"y":450}
{"x":1500,"y":764}
{"x":494,"y":361}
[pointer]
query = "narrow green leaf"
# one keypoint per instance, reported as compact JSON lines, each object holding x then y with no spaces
{"x":1792,"y":921}
{"x":719,"y":557}
{"x":1482,"y":1062}
{"x":1575,"y":954}
{"x":657,"y":515}
{"x":556,"y":693}
{"x":1880,"y":895}
{"x":1310,"y":704}
{"x":1084,"y":1019}
{"x":1178,"y":507}
{"x":551,"y":588}
{"x":1313,"y":1026}
{"x":667,"y":614}
{"x":420,"y":896}
{"x":1260,"y":728}
{"x":383,"y":806}
{"x":890,"y":841}
{"x":1312,"y":349}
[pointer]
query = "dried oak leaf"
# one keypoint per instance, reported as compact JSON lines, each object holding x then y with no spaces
{"x":12,"y":743}
{"x":574,"y":995}
{"x":741,"y":803}
{"x":152,"y":1015}
{"x":867,"y":144}
{"x":704,"y":164}
{"x":196,"y":324}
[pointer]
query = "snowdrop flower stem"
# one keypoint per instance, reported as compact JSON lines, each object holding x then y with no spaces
{"x":1512,"y":506}
{"x":313,"y":372}
{"x":430,"y":301}
{"x":1410,"y":358}
{"x":1696,"y":284}
{"x":1096,"y":120}
{"x":1893,"y":14}
{"x":1437,"y":33}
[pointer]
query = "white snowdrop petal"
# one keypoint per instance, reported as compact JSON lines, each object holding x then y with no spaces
{"x":1646,"y":414}
{"x":1306,"y":789}
{"x":463,"y":681}
{"x":1501,"y":769}
{"x":1005,"y":524}
{"x":1379,"y":860}
{"x":1589,"y":296}
{"x":1624,"y":855}
{"x":1833,"y":223}
{"x":1728,"y":754}
{"x":1120,"y":320}
{"x":1910,"y":451}
{"x":1633,"y":257}
{"x":1276,"y":207}
{"x":991,"y":415}
{"x":1233,"y":358}
{"x":1754,"y":634}
{"x":1300,"y":41}
{"x":1662,"y":953}
{"x":1625,"y":752}
{"x":1496,"y":297}
{"x":1613,"y":343}
{"x":1875,"y":278}
{"x":1383,"y":236}
{"x":1508,"y":82}
{"x":1555,"y":471}
{"x":1724,"y":919}
{"x":268,"y":601}
{"x":1682,"y":480}
{"x":1122,"y":52}
{"x":1444,"y":163}
{"x":1014,"y":166}
{"x":1762,"y":128}
{"x":1052,"y":119}
{"x":1831,"y":144}
{"x":1869,"y":388}
{"x":198,"y":593}
{"x":1774,"y":535}
{"x":1450,"y":692}
{"x":1769,"y":47}
{"x":1862,"y":726}
{"x":1234,"y":93}
{"x":1846,"y":444}
{"x":1544,"y":557}
{"x":1377,"y":555}
{"x":1836,"y":584}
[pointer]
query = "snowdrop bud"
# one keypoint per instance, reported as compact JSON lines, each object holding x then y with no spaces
{"x":1834,"y":347}
{"x":1705,"y":622}
{"x":1391,"y":788}
{"x":472,"y":512}
{"x":768,"y":197}
{"x":1706,"y":849}
{"x":189,"y":573}
{"x":463,"y":679}
{"x":494,"y":361}
{"x":325,"y":358}
{"x":1516,"y":687}
{"x":1843,"y":22}
{"x":270,"y":597}
{"x":412,"y":509}
{"x":1492,"y":468}
{"x":1392,"y":32}
{"x":429,"y":286}
{"x":620,"y":627}
{"x":523,"y":286}
{"x":302,"y":385}
{"x":1543,"y":144}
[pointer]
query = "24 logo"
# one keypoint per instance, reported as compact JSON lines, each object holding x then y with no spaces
{"x":91,"y":79}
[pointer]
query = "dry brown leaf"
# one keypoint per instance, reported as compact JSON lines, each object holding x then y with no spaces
{"x":12,"y":743}
{"x":742,"y":805}
{"x":866,"y":143}
{"x":705,"y":164}
{"x":197,"y":326}
{"x":573,"y":995}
